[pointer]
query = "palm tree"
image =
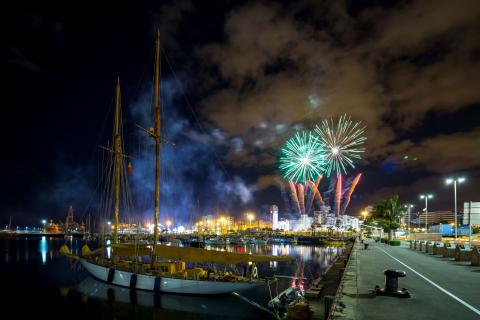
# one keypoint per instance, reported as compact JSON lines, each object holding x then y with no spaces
{"x":387,"y":213}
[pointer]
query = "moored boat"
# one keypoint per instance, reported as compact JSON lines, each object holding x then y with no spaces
{"x":162,"y":268}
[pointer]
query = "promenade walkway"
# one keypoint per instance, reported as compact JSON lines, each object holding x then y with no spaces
{"x":440,"y":288}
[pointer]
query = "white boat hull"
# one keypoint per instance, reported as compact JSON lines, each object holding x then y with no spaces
{"x":163,"y":284}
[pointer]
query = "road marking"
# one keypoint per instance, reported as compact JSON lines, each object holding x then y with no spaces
{"x":469,"y":306}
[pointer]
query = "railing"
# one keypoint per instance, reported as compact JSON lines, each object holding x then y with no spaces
{"x":426,"y":236}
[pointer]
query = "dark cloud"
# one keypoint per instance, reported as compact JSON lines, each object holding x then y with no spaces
{"x":17,"y":57}
{"x":276,"y":62}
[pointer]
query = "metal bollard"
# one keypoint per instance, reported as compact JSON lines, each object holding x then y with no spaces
{"x":391,"y":284}
{"x":328,"y":305}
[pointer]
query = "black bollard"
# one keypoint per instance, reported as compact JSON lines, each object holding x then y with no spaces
{"x":328,"y":305}
{"x":391,"y":285}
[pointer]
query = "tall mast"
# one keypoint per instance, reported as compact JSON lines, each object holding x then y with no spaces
{"x":157,"y":138}
{"x":117,"y":151}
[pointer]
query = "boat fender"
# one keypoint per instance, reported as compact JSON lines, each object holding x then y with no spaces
{"x":158,"y":282}
{"x":255,"y":272}
{"x":111,"y":274}
{"x":133,"y":281}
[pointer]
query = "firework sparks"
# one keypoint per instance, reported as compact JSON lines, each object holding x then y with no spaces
{"x":316,"y":193}
{"x":302,"y":158}
{"x":338,"y":194}
{"x":342,"y":142}
{"x":294,"y":194}
{"x":350,"y":191}
{"x":301,"y":197}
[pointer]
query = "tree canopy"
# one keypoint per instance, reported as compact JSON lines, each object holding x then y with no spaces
{"x":388,"y":212}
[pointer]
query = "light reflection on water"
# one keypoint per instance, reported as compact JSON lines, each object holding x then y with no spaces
{"x":68,"y":282}
{"x":44,"y":249}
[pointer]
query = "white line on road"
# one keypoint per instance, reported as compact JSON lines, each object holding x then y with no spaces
{"x":469,"y":306}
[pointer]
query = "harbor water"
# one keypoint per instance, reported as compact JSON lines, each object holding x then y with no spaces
{"x":37,"y":281}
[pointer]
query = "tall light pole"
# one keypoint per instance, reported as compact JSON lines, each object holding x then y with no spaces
{"x":426,"y":197}
{"x":454,"y":181}
{"x":409,"y":208}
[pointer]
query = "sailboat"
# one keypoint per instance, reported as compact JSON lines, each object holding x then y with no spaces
{"x":170,"y":269}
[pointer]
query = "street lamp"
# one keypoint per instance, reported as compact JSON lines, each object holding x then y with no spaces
{"x":250,"y":217}
{"x":409,"y":213}
{"x":426,"y":197}
{"x":454,"y":181}
{"x":168,"y":223}
{"x":364,"y":214}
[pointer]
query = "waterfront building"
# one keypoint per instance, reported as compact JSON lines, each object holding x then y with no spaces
{"x":350,"y":222}
{"x":304,"y":222}
{"x":436,"y":217}
{"x":70,"y":225}
{"x":472,"y":210}
{"x":343,"y":221}
{"x":317,"y":217}
{"x":284,"y":225}
{"x":274,"y":215}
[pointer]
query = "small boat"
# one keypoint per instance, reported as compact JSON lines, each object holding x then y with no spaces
{"x":290,"y":304}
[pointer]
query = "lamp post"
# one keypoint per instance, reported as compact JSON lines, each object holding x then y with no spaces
{"x":426,"y":197}
{"x":409,"y":212}
{"x":454,"y":181}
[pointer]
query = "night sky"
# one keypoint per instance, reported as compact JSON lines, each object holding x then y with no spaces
{"x":238,"y":79}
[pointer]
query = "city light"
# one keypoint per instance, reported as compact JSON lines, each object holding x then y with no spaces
{"x":426,"y":197}
{"x":364,"y":214}
{"x":430,"y":196}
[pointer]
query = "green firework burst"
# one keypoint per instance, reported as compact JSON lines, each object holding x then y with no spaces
{"x":302,"y":158}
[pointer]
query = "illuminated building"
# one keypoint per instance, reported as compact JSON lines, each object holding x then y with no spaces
{"x":472,"y":209}
{"x":274,"y":214}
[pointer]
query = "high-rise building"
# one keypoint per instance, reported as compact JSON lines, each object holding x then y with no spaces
{"x":436,"y":217}
{"x":304,"y":225}
{"x":317,"y":217}
{"x":471,"y":210}
{"x":274,"y":214}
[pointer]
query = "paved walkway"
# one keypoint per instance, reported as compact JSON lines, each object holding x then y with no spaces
{"x":440,"y":288}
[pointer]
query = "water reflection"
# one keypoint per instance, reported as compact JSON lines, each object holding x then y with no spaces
{"x":109,"y":249}
{"x":44,"y":249}
{"x":309,"y":261}
{"x":46,"y":267}
{"x":184,"y":306}
{"x":26,"y":249}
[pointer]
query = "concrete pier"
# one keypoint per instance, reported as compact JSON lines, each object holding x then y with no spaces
{"x":440,"y":288}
